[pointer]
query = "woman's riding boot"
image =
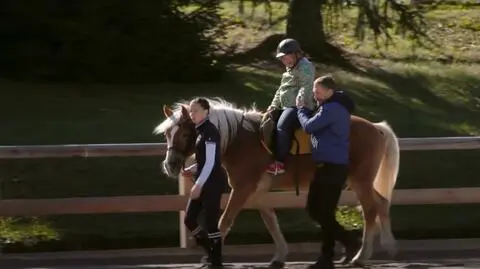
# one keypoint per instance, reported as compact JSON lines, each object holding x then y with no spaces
{"x":322,"y":263}
{"x":202,"y":240}
{"x":215,"y":255}
{"x":325,"y":261}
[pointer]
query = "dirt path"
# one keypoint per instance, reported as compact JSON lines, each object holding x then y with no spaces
{"x":438,"y":254}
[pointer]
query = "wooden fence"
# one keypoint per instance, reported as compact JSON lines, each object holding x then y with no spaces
{"x":159,"y":203}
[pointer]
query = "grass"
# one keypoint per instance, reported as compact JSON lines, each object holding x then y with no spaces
{"x":27,"y":231}
{"x":421,"y":92}
{"x":454,"y":30}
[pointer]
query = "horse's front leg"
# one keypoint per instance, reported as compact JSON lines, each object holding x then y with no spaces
{"x":238,"y":197}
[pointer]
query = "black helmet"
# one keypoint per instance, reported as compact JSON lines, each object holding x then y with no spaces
{"x":288,"y":46}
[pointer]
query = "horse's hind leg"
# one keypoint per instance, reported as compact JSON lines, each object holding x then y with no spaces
{"x":369,"y":207}
{"x":271,"y":222}
{"x":387,"y":240}
{"x":281,"y":247}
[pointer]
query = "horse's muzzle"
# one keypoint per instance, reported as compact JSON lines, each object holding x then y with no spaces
{"x":171,"y":169}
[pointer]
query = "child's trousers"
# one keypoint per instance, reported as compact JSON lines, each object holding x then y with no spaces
{"x":286,"y":126}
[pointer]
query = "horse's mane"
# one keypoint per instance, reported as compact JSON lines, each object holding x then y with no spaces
{"x":223,"y":114}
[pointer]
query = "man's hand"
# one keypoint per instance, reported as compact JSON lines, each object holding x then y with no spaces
{"x":300,"y":102}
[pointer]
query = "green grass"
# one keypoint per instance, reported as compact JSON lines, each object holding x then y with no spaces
{"x":27,"y":231}
{"x":418,"y":95}
{"x":453,"y":29}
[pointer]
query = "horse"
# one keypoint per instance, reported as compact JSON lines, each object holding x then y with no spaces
{"x":373,"y":168}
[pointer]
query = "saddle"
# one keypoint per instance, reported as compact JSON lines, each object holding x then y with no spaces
{"x":300,"y":145}
{"x":301,"y":140}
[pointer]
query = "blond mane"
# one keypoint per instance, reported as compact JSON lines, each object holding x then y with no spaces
{"x":223,"y":114}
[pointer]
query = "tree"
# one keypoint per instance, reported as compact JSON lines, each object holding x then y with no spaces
{"x":305,"y":24}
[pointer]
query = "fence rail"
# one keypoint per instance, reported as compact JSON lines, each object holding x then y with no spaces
{"x":167,"y":203}
{"x":157,"y":149}
{"x":159,"y":203}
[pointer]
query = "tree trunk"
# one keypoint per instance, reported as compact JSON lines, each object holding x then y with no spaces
{"x":305,"y":24}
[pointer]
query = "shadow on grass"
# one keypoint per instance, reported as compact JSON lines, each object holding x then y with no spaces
{"x":265,"y":52}
{"x":64,"y":114}
{"x":443,"y":59}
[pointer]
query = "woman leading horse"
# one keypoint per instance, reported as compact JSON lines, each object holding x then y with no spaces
{"x":210,"y":181}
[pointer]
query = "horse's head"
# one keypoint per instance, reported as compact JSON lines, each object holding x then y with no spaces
{"x":179,"y":131}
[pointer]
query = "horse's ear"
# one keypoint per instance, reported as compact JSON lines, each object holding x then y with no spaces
{"x":185,"y":113}
{"x":167,"y":111}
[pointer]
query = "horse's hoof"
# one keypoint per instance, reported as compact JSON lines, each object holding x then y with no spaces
{"x":277,"y":264}
{"x":204,"y":260}
{"x":357,"y":263}
{"x":343,"y":260}
{"x":392,"y":251}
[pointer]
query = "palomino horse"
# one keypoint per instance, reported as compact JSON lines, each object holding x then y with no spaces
{"x":374,"y":164}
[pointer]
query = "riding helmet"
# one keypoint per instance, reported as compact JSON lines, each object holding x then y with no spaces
{"x":288,"y":46}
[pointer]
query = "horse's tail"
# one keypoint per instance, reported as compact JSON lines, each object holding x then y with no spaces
{"x":388,"y":171}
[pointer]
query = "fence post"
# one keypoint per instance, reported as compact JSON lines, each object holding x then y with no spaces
{"x":184,"y":186}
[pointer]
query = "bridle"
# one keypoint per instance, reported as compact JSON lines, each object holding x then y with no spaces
{"x":171,"y":149}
